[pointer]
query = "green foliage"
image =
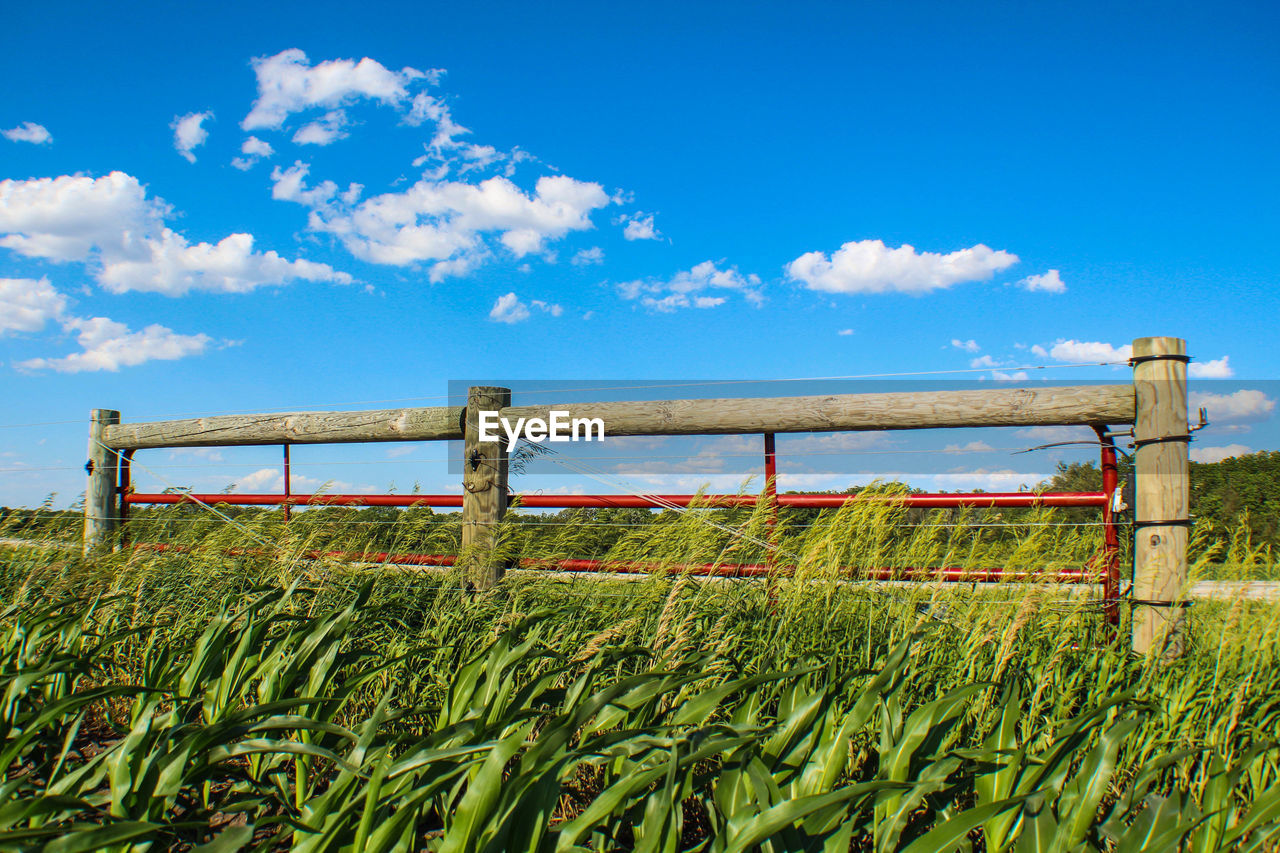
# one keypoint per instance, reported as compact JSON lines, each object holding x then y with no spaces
{"x":271,"y":700}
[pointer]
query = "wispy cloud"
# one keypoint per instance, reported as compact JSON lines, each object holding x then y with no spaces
{"x":28,"y":131}
{"x":703,"y":286}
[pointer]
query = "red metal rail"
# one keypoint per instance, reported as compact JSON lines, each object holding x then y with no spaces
{"x":1105,"y":567}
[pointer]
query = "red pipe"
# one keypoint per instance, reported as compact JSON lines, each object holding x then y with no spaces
{"x":296,"y":500}
{"x":1111,"y":536}
{"x":820,"y":501}
{"x":731,"y":570}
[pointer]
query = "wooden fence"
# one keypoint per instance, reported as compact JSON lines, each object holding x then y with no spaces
{"x":1155,"y":404}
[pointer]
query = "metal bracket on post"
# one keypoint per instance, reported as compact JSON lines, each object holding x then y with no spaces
{"x":288,"y":484}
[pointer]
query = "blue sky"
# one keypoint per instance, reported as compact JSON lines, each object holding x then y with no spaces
{"x":657,"y":192}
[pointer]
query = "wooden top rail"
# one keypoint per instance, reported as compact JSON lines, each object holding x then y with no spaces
{"x":423,"y":424}
{"x":1089,"y":405}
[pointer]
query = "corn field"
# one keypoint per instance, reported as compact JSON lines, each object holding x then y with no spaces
{"x":200,"y":701}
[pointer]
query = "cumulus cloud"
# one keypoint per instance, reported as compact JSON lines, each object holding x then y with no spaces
{"x":1216,"y":369}
{"x":689,"y":289}
{"x":1087,"y":351}
{"x":1050,"y":282}
{"x":253,"y":149}
{"x":108,"y":345}
{"x":323,"y":131}
{"x":1248,"y":405}
{"x":271,"y":481}
{"x":445,"y":221}
{"x":638,"y":226}
{"x":28,"y":131}
{"x":27,"y":304}
{"x":968,"y":346}
{"x":1217,"y":454}
{"x":588,"y":257}
{"x":984,"y":361}
{"x":869,"y":266}
{"x":173,"y":266}
{"x":288,"y":84}
{"x":509,"y":309}
{"x":189,"y":133}
{"x":111,"y":224}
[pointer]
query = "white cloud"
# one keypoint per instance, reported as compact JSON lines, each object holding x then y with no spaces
{"x":204,"y":454}
{"x":446,"y":221}
{"x":1217,"y":369}
{"x":323,"y":131}
{"x":28,"y":131}
{"x":845,"y":332}
{"x":1087,"y":352}
{"x":685,"y":289}
{"x":1055,"y":434}
{"x":509,"y":309}
{"x":869,"y":266}
{"x":639,"y":226}
{"x":27,"y":304}
{"x":1247,"y":405}
{"x":1050,"y":282}
{"x":550,"y":308}
{"x":1040,"y":351}
{"x":1217,"y":454}
{"x":110,"y":223}
{"x":1004,"y":480}
{"x":968,"y":346}
{"x":588,"y":257}
{"x":253,"y":149}
{"x":446,"y":151}
{"x":271,"y":481}
{"x":1002,"y":376}
{"x":833,"y":443}
{"x":984,"y":361}
{"x":173,"y":267}
{"x":189,"y":133}
{"x":970,"y":447}
{"x":108,"y":345}
{"x":288,"y":83}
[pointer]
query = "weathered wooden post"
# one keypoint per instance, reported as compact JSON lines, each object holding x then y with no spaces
{"x":484,"y":488}
{"x":101,"y":500}
{"x":1162,"y":495}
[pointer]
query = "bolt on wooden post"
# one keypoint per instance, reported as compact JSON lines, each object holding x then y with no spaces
{"x":1162,"y":496}
{"x":484,"y":489}
{"x":101,"y":498}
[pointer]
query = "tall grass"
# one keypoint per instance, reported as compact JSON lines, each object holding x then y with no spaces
{"x":267,"y":701}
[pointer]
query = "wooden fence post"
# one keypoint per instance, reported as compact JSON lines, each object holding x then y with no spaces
{"x":101,"y":500}
{"x":1163,"y":495}
{"x":484,"y":488}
